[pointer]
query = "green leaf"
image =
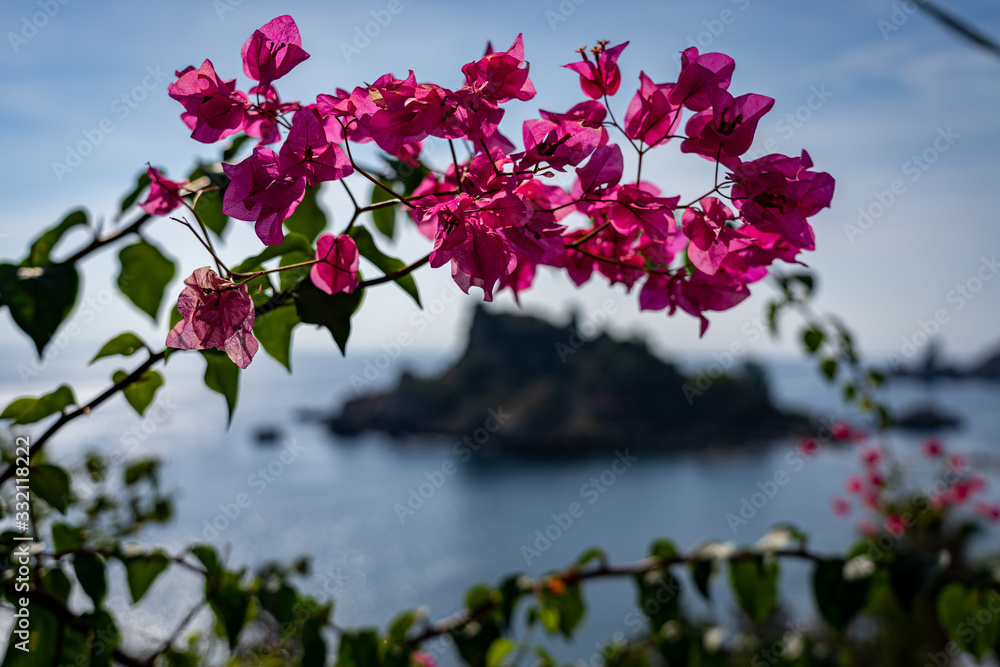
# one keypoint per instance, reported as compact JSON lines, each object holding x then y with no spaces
{"x":812,"y":339}
{"x":51,"y":483}
{"x":89,"y":570}
{"x":663,"y":549}
{"x":208,"y":205}
{"x":57,"y":583}
{"x":358,"y":649}
{"x":66,"y":537}
{"x":230,"y":604}
{"x":288,"y":279}
{"x":309,"y":220}
{"x":136,"y":472}
{"x":499,"y":649}
{"x":141,"y":184}
{"x":385,"y":263}
{"x":702,"y":570}
{"x":384,"y":217}
{"x":273,"y":331}
{"x":222,"y":376}
{"x":952,"y":613}
{"x":210,"y":559}
{"x":332,"y":311}
{"x":659,"y":596}
{"x":142,"y":571}
{"x":313,"y":646}
{"x":144,"y":276}
{"x":755,"y":584}
{"x":234,"y":146}
{"x":39,"y":299}
{"x":125,"y":344}
{"x":292,"y":243}
{"x":41,"y":248}
{"x":839,"y":600}
{"x":140,"y":393}
{"x":31,"y":410}
{"x":829,"y":369}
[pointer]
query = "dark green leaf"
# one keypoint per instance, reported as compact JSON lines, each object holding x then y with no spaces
{"x":659,"y":596}
{"x":66,"y":537}
{"x":829,"y":369}
{"x":39,"y":299}
{"x":230,"y":604}
{"x":234,"y":146}
{"x":663,"y":549}
{"x":89,"y":570}
{"x":702,"y":570}
{"x":51,"y":484}
{"x":385,"y":263}
{"x":313,"y":646}
{"x":208,"y":205}
{"x":144,"y":276}
{"x":142,"y":571}
{"x":210,"y":559}
{"x":293,"y":243}
{"x":839,"y":600}
{"x":57,"y":583}
{"x":812,"y":339}
{"x":141,"y":184}
{"x":273,"y":331}
{"x":140,"y":393}
{"x":222,"y":376}
{"x":358,"y":649}
{"x":755,"y":583}
{"x":952,"y":613}
{"x":41,"y":248}
{"x":31,"y":410}
{"x":499,"y":649}
{"x":332,"y":311}
{"x":309,"y":220}
{"x":384,"y":217}
{"x":125,"y":344}
{"x":136,"y":472}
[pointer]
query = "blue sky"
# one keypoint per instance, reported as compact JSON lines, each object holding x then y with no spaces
{"x":864,"y":99}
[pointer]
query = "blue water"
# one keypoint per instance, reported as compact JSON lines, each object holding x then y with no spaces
{"x":339,"y":500}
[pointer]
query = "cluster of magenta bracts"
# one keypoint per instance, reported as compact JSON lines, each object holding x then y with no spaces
{"x":496,"y":216}
{"x":873,"y":490}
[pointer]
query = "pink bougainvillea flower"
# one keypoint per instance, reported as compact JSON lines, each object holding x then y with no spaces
{"x":500,"y":77}
{"x":853,"y":485}
{"x":777,"y":193}
{"x":273,"y":51}
{"x":259,"y":192}
{"x":480,"y":255}
{"x":338,"y":269}
{"x":701,"y":74}
{"x":213,"y":108}
{"x":630,"y":207}
{"x":261,"y":121}
{"x":307,"y":152}
{"x":604,"y":168}
{"x":563,"y":140}
{"x":702,"y":292}
{"x":726,"y":131}
{"x":894,"y":526}
{"x":422,"y":659}
{"x":957,"y":463}
{"x":841,"y":506}
{"x":711,"y":239}
{"x":651,"y":116}
{"x":601,"y":77}
{"x":215,"y":313}
{"x":164,"y":194}
{"x":989,"y":511}
{"x":932,"y":448}
{"x":809,"y":447}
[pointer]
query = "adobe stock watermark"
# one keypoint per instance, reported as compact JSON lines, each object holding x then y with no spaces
{"x":591,"y":491}
{"x":30,"y":25}
{"x":765,"y":490}
{"x":714,"y":28}
{"x":462,"y":451}
{"x":121,"y":108}
{"x":914,"y":168}
{"x":363,"y":35}
{"x":223,"y":7}
{"x":957,"y":298}
{"x":752,"y":329}
{"x":392,"y":349}
{"x":259,"y":481}
{"x":585,"y":329}
{"x":898,"y":17}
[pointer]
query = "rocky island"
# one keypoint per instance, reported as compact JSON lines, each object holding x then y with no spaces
{"x":539,"y":389}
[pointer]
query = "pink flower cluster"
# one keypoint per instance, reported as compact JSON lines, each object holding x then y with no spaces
{"x":873,"y":492}
{"x":495,"y":215}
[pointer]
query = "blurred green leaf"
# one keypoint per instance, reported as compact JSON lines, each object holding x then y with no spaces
{"x":142,"y":182}
{"x":309,"y":219}
{"x":222,"y":376}
{"x":41,"y":248}
{"x":839,"y":599}
{"x":230,"y":604}
{"x":755,"y":584}
{"x":52,"y":484}
{"x":142,"y":571}
{"x":384,"y":217}
{"x":89,"y":569}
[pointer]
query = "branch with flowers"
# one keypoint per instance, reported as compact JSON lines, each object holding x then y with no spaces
{"x":494,"y":213}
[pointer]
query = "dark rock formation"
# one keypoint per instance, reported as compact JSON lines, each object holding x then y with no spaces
{"x":931,"y":368}
{"x":568,"y":395}
{"x":926,"y":418}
